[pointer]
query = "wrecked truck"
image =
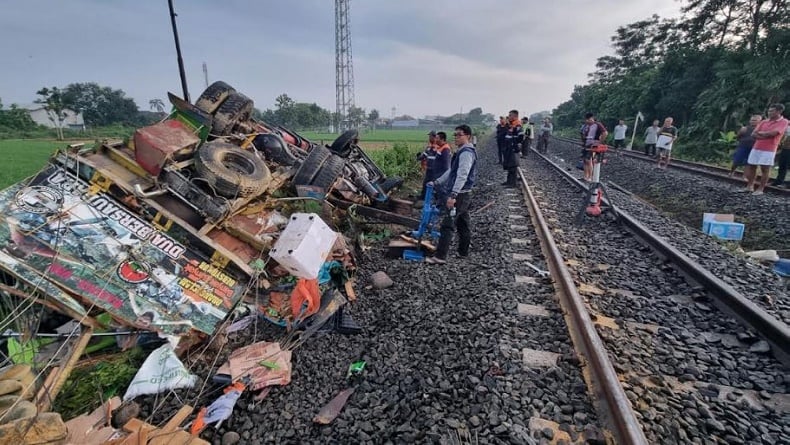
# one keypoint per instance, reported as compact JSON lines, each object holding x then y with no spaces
{"x":169,"y":230}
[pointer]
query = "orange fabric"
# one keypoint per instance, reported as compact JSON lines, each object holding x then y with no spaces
{"x":444,"y":147}
{"x":198,"y":424}
{"x":305,"y":291}
{"x":515,"y":122}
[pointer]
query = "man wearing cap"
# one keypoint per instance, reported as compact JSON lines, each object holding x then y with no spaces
{"x":424,"y":159}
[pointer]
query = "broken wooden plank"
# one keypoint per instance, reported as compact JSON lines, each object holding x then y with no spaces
{"x":51,"y":392}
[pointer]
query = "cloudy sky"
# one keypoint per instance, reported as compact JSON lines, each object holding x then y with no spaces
{"x":420,"y":56}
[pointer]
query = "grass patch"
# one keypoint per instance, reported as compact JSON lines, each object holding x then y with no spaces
{"x":391,"y":136}
{"x":86,"y":388}
{"x":400,"y":160}
{"x":20,"y":158}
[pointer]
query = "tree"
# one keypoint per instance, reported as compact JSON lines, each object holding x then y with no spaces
{"x":475,"y":116}
{"x":15,"y":118}
{"x":157,"y":105}
{"x":100,"y":106}
{"x":356,"y":116}
{"x":52,"y":98}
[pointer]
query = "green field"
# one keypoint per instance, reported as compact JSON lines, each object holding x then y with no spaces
{"x":20,"y":158}
{"x":390,"y":136}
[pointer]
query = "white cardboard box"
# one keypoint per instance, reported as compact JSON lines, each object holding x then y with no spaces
{"x":304,"y":245}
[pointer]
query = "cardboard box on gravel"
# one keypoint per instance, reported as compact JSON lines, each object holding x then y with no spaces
{"x":722,"y":226}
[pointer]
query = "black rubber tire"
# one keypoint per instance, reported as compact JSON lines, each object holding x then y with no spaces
{"x":311,"y":165}
{"x":330,"y":171}
{"x":231,"y":171}
{"x":274,"y":148}
{"x":342,"y":146}
{"x":213,"y":96}
{"x":236,"y":108}
{"x":390,"y":183}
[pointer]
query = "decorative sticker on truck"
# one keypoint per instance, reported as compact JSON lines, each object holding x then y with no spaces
{"x":95,"y":248}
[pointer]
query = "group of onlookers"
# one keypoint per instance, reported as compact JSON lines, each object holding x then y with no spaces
{"x":758,"y":144}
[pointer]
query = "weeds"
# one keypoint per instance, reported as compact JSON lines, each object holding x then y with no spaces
{"x":400,"y":160}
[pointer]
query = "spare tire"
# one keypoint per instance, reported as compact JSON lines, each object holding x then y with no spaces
{"x":343,"y":145}
{"x":212,"y":98}
{"x":236,"y":108}
{"x":311,"y":165}
{"x":329,"y":172}
{"x":231,"y":171}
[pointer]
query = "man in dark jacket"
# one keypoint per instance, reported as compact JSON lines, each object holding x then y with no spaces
{"x":513,"y":139}
{"x":501,"y":131}
{"x":457,"y":183}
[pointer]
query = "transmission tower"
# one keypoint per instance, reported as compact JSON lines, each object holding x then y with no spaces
{"x":344,"y":68}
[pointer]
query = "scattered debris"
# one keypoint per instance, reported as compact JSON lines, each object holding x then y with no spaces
{"x":219,"y":410}
{"x":161,"y":371}
{"x":331,"y":410}
{"x":381,"y":280}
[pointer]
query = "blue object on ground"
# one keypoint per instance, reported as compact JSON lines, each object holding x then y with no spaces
{"x":782,"y":267}
{"x":413,"y":255}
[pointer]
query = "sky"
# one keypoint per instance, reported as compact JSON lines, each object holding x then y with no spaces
{"x":423,"y":57}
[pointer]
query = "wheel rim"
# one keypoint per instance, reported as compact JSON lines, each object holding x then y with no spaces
{"x":238,"y":163}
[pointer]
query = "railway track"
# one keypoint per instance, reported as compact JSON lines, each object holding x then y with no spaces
{"x":613,"y":347}
{"x":707,"y":170}
{"x":690,"y":372}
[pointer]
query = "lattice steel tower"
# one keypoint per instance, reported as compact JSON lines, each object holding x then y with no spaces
{"x":344,"y":68}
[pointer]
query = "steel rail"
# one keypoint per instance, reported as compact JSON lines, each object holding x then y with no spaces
{"x":609,"y":393}
{"x":733,"y":302}
{"x":710,"y":171}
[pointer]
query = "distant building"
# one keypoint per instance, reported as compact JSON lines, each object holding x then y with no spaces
{"x":41,"y":116}
{"x":413,"y":123}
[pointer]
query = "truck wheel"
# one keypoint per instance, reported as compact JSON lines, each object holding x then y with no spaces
{"x":311,"y":165}
{"x":329,"y":172}
{"x":236,"y":108}
{"x":274,"y":149}
{"x":212,"y":98}
{"x":390,"y":183}
{"x":231,"y":171}
{"x":343,"y":145}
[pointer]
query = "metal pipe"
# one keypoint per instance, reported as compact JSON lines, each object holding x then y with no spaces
{"x":140,"y":193}
{"x":178,"y":52}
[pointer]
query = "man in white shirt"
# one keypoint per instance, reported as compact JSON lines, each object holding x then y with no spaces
{"x":619,"y":134}
{"x":651,"y":137}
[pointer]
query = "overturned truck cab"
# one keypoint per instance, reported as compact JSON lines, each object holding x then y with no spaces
{"x":169,"y":231}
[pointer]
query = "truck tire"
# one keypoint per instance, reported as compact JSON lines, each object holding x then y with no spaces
{"x":311,"y":165}
{"x":343,"y":145}
{"x":390,"y":183}
{"x":231,"y":171}
{"x":329,"y":172}
{"x":274,"y":148}
{"x":236,"y":108}
{"x":212,"y":98}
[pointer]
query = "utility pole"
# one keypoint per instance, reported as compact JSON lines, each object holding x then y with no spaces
{"x":344,"y":69}
{"x":178,"y":52}
{"x":205,"y":73}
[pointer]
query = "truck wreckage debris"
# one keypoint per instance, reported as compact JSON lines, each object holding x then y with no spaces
{"x":177,"y":232}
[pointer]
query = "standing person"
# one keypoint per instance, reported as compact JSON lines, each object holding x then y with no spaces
{"x":784,"y":159}
{"x":651,"y":137}
{"x":619,"y":134}
{"x":767,"y":136}
{"x":666,"y":137}
{"x":546,"y":128}
{"x":513,"y":139}
{"x":457,"y":182}
{"x":529,"y":132}
{"x":745,"y":142}
{"x":501,"y":131}
{"x":593,"y":133}
{"x":424,"y":159}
